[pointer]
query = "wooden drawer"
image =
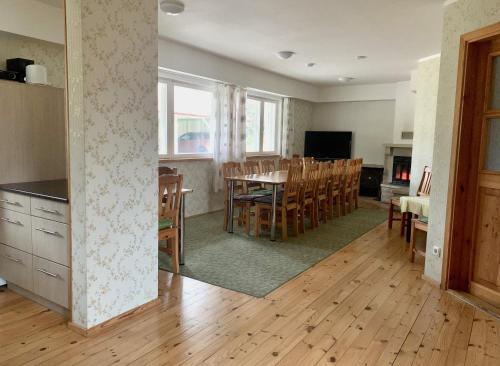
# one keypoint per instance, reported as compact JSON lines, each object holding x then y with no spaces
{"x":15,"y":230}
{"x":15,"y":202}
{"x":16,"y":266}
{"x":51,"y":210}
{"x":50,"y":240}
{"x":51,"y":281}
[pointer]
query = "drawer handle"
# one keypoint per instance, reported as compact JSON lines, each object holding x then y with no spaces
{"x":10,"y":202}
{"x":55,"y":233}
{"x":11,"y":221}
{"x":43,"y":209}
{"x":12,"y":258}
{"x":54,"y":275}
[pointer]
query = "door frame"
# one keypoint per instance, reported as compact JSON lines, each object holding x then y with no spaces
{"x":458,"y":243}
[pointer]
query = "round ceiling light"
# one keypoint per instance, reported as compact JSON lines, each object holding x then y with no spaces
{"x":344,"y":79}
{"x":285,"y":55}
{"x":171,"y":7}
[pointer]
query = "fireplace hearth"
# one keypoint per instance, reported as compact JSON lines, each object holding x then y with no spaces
{"x":401,"y":170}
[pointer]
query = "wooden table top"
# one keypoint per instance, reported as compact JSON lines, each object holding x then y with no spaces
{"x":277,"y":177}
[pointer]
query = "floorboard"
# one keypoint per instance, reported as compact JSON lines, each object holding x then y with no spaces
{"x":364,"y":305}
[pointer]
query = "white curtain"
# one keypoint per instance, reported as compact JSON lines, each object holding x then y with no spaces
{"x":287,"y":135}
{"x":230,"y":129}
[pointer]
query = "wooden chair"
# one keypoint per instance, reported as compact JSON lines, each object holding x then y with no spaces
{"x":357,"y":181}
{"x":285,"y":164}
{"x":322,"y":191}
{"x":267,"y":166}
{"x":232,"y":169}
{"x":288,"y":203}
{"x":169,"y":202}
{"x":346,"y":194}
{"x":334,"y":189}
{"x":307,"y":160}
{"x":424,"y":189}
{"x":308,"y":196}
{"x":416,"y":225}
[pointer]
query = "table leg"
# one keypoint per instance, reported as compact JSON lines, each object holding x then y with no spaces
{"x":231,"y":207}
{"x":408,"y":226}
{"x":183,"y":222}
{"x":273,"y":214}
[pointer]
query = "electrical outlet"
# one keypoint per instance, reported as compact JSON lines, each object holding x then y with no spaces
{"x":436,"y":251}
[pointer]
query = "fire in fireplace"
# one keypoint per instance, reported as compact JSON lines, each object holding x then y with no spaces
{"x":401,"y":170}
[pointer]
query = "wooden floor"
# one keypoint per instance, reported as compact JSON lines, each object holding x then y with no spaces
{"x":364,"y":305}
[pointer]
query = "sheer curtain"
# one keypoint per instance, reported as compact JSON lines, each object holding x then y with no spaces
{"x":287,"y":135}
{"x":230,"y":129}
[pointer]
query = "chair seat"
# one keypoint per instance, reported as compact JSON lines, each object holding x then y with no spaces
{"x":165,"y":223}
{"x":252,"y":195}
{"x":268,"y":200}
{"x":396,"y":201}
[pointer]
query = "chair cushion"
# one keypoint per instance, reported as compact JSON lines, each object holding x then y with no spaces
{"x":252,"y":195}
{"x":269,"y":199}
{"x":165,"y":223}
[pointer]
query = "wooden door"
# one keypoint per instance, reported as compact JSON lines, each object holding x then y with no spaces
{"x":485,"y":268}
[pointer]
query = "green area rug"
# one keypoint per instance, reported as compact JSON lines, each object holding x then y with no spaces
{"x":258,"y":266}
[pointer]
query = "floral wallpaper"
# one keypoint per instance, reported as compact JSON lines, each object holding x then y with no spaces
{"x":460,"y":17}
{"x":302,"y":121}
{"x":48,"y":54}
{"x":425,"y":119}
{"x":113,"y":118}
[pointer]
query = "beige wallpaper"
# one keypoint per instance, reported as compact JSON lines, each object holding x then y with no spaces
{"x":460,"y":17}
{"x":50,"y":55}
{"x":425,"y":119}
{"x":113,"y":68}
{"x":302,"y":120}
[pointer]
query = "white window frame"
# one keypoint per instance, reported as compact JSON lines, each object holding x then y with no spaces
{"x":263,"y":98}
{"x":171,"y":84}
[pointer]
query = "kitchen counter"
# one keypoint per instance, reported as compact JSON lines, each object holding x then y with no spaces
{"x":54,"y":190}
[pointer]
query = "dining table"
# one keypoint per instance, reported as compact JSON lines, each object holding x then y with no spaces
{"x":274,"y":179}
{"x":413,"y":205}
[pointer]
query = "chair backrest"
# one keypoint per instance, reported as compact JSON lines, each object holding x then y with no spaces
{"x":308,"y":160}
{"x":293,"y":185}
{"x":169,"y":197}
{"x":267,"y":166}
{"x":310,"y":177}
{"x":251,"y":167}
{"x":231,"y":169}
{"x":323,"y":178}
{"x":424,"y":189}
{"x":297,"y":161}
{"x":340,"y":162}
{"x":165,"y":170}
{"x":284,"y":164}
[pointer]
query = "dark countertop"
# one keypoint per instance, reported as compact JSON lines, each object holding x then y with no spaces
{"x":55,"y":190}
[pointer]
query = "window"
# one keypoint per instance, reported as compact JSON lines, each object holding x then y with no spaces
{"x":262,"y":125}
{"x":186,"y":123}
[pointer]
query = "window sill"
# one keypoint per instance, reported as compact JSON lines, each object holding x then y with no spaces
{"x":186,"y":159}
{"x":263,"y":156}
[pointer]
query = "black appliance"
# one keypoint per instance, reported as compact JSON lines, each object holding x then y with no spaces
{"x":328,"y":145}
{"x":19,"y":66}
{"x":8,"y":75}
{"x":370,"y":181}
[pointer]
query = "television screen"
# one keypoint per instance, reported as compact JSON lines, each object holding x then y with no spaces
{"x":328,"y":145}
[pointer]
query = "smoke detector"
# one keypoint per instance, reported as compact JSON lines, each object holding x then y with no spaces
{"x":171,"y":7}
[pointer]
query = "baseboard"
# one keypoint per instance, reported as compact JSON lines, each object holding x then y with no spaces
{"x":113,"y":322}
{"x":39,"y":300}
{"x":432,"y":281}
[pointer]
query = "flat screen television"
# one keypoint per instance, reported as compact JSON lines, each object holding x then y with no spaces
{"x":328,"y":145}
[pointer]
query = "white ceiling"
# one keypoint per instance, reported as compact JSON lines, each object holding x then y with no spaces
{"x":394,"y":34}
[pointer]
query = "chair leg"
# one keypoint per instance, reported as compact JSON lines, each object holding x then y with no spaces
{"x":295,"y":221}
{"x":284,"y":228}
{"x":403,"y":224}
{"x":391,"y":215}
{"x":302,"y":223}
{"x":339,"y":209}
{"x":412,"y":243}
{"x":246,"y":218}
{"x":175,"y":254}
{"x":257,"y":221}
{"x":356,"y":200}
{"x":225,"y":216}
